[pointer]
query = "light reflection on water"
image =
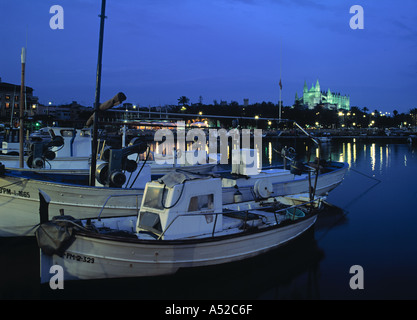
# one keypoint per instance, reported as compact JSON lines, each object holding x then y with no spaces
{"x":377,"y":156}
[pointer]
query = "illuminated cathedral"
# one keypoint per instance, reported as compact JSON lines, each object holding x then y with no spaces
{"x":315,"y":96}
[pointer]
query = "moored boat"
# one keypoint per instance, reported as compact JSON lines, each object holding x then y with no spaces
{"x":182,"y":223}
{"x":59,"y":153}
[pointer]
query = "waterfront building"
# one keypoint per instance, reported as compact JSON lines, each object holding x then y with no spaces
{"x":315,"y":96}
{"x":10,"y":101}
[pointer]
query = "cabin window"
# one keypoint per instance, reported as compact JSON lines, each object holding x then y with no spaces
{"x":150,"y":221}
{"x":153,"y":198}
{"x":67,"y":133}
{"x":85,"y":133}
{"x":201,"y":202}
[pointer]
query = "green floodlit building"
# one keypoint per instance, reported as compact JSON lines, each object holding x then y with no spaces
{"x":315,"y":96}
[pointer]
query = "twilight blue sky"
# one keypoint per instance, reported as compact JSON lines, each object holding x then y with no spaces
{"x":158,"y":50}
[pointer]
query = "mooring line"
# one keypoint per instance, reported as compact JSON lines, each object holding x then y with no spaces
{"x":368,"y":176}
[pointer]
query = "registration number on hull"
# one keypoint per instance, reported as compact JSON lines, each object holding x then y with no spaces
{"x":77,"y":257}
{"x":16,"y":193}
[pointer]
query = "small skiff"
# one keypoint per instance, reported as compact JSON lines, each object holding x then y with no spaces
{"x":182,"y":223}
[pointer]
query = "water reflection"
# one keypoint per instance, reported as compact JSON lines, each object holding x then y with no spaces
{"x":373,"y":156}
{"x":378,"y":156}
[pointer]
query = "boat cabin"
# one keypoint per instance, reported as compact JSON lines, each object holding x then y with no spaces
{"x":181,"y":205}
{"x":77,"y":142}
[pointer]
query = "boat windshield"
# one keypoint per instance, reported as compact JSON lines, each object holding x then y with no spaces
{"x":67,"y":133}
{"x":201,"y":202}
{"x":153,"y":198}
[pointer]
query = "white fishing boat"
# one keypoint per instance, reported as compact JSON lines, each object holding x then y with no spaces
{"x":182,"y":223}
{"x":19,"y":195}
{"x":60,"y":153}
{"x":53,"y":153}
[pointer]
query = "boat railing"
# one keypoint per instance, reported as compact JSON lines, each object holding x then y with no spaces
{"x":246,"y":212}
{"x":117,"y":196}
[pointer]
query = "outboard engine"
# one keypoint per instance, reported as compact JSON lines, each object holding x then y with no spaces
{"x":111,"y":172}
{"x":40,"y":150}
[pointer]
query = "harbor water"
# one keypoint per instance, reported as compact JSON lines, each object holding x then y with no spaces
{"x":370,"y":224}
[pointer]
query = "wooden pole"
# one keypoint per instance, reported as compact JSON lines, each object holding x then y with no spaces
{"x":22,"y":99}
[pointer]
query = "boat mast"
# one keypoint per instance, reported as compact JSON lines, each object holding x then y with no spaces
{"x":97,"y":97}
{"x":22,"y":90}
{"x":280,"y":83}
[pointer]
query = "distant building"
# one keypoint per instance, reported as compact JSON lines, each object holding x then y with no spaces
{"x":64,"y":112}
{"x":315,"y":96}
{"x":10,"y":101}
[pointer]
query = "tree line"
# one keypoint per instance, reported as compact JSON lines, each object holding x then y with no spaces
{"x":318,"y":117}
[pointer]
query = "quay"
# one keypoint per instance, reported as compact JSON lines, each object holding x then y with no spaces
{"x":398,"y":139}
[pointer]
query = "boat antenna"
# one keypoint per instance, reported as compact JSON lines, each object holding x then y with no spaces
{"x":97,"y":97}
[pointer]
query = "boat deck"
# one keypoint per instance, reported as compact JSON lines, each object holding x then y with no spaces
{"x":232,"y":222}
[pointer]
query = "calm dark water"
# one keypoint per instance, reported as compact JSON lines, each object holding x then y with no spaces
{"x":371,"y":222}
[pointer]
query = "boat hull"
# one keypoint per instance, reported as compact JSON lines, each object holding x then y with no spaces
{"x":19,"y":200}
{"x":68,"y":166}
{"x":326,"y":182}
{"x":98,"y":257}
